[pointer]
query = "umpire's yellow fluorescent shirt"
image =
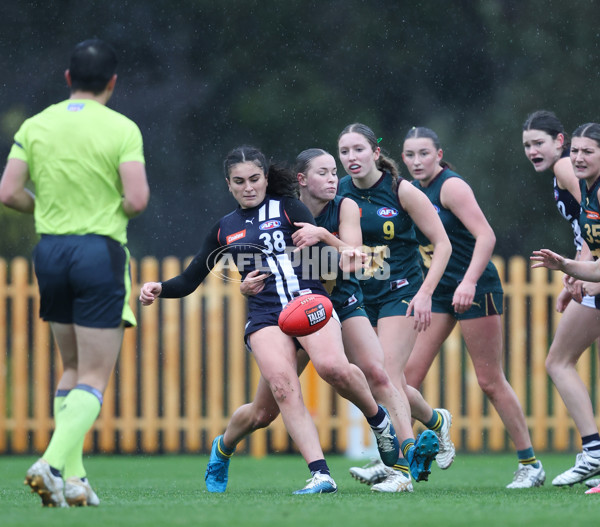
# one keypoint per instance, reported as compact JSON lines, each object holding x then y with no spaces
{"x":73,"y":150}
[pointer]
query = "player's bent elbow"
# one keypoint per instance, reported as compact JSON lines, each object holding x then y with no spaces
{"x":5,"y":198}
{"x":135,"y":205}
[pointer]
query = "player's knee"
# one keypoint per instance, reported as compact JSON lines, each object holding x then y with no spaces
{"x":490,"y":383}
{"x":263,"y":417}
{"x":337,"y":375}
{"x":554,"y":367}
{"x":283,"y":388}
{"x":377,"y":378}
{"x":414,"y":376}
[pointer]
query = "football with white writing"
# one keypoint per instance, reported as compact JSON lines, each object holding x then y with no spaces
{"x":305,"y":314}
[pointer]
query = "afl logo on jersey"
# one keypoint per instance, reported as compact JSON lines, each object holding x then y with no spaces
{"x":75,"y":107}
{"x":387,"y":212}
{"x":437,"y":209}
{"x":268,"y":225}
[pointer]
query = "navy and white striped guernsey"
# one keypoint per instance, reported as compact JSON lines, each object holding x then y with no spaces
{"x":256,"y":238}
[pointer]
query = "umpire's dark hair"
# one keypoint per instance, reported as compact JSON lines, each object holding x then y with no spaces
{"x":281,"y":181}
{"x":93,"y":63}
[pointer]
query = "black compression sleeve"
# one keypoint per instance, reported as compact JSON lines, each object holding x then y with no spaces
{"x":193,"y":275}
{"x":297,"y":211}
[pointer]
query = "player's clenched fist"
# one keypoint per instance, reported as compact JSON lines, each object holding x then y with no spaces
{"x":150,"y":292}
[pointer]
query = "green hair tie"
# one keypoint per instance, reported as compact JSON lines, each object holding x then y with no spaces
{"x":379,"y":140}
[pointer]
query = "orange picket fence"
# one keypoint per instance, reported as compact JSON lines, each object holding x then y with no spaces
{"x":184,"y":370}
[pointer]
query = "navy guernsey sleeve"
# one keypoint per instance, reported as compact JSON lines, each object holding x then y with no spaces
{"x":298,"y":212}
{"x":193,"y":275}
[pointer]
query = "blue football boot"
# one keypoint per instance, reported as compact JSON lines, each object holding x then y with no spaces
{"x":318,"y":484}
{"x":217,"y":470}
{"x":421,"y":455}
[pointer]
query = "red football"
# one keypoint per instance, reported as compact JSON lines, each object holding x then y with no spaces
{"x":305,"y":315}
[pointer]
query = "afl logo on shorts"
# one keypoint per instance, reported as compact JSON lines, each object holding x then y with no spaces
{"x":268,"y":225}
{"x":387,"y":212}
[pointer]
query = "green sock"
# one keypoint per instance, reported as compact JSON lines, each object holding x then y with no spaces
{"x":436,"y":421}
{"x":402,"y":466}
{"x":407,"y":444}
{"x":77,"y":414}
{"x":527,"y":457}
{"x":74,"y":462}
{"x":59,"y":399}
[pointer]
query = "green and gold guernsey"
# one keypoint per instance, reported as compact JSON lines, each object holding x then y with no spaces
{"x":462,"y":242}
{"x":82,"y":167}
{"x":589,"y":218}
{"x":389,"y":233}
{"x":346,"y":290}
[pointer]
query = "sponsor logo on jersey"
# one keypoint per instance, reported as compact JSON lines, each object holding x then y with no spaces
{"x":387,"y":212}
{"x":592,"y":215}
{"x":235,"y":236}
{"x":268,"y":225}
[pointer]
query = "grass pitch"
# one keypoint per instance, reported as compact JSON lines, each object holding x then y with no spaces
{"x":169,"y":491}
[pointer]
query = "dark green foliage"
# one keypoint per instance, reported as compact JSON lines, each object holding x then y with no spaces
{"x":201,"y":77}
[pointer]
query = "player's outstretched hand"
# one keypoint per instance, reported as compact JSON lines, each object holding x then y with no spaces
{"x":352,"y":259}
{"x":547,"y":258}
{"x":149,"y":292}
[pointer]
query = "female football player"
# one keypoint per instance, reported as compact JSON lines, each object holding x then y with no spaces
{"x":547,"y":147}
{"x":395,"y":289}
{"x":258,"y":235}
{"x":470,"y":293}
{"x":317,"y":176}
{"x":579,"y":325}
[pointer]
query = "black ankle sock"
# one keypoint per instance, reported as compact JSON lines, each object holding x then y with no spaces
{"x":320,"y":465}
{"x":55,"y":472}
{"x":377,"y":419}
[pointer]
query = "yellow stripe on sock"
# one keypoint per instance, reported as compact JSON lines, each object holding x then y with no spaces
{"x":528,"y":461}
{"x":401,"y":468}
{"x":438,"y":423}
{"x":224,"y":454}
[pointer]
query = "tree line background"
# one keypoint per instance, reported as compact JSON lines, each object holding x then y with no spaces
{"x":201,"y":77}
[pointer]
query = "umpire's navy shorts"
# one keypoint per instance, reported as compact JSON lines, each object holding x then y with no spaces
{"x":83,"y":280}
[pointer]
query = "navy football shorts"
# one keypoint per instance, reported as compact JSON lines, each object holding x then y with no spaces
{"x":83,"y":280}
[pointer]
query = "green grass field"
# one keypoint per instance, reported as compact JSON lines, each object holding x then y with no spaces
{"x":169,"y":491}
